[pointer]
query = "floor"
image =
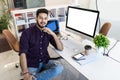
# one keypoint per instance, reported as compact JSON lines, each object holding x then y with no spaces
{"x":8,"y":71}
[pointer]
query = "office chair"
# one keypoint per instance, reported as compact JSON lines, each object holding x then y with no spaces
{"x":14,"y":43}
{"x":105,"y":28}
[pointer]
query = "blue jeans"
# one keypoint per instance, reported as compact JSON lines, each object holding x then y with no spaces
{"x":46,"y":71}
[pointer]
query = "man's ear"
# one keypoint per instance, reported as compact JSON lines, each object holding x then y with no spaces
{"x":36,"y":19}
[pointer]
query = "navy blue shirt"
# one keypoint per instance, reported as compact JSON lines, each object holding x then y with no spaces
{"x":34,"y":43}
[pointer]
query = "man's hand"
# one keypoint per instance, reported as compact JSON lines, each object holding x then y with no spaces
{"x":57,"y":41}
{"x":47,"y":30}
{"x":28,"y":77}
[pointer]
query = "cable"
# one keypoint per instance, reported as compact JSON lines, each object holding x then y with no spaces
{"x":110,"y":50}
{"x":112,"y":47}
{"x":114,"y":59}
{"x":96,"y":5}
{"x":99,"y":17}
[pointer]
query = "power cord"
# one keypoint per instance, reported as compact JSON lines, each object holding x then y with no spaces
{"x":96,"y":5}
{"x":112,"y":47}
{"x":99,"y":17}
{"x":114,"y":59}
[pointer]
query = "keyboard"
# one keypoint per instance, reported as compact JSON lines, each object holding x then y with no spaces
{"x":73,"y":45}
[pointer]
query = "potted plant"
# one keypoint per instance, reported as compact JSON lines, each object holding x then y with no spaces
{"x":5,"y":15}
{"x":101,"y":41}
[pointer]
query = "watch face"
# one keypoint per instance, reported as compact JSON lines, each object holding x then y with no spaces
{"x":87,"y":47}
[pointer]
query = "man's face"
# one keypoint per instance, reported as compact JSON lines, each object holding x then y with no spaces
{"x":42,"y":20}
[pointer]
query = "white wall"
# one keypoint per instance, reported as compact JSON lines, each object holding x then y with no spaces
{"x":109,"y":11}
{"x":56,"y":2}
{"x":83,"y":3}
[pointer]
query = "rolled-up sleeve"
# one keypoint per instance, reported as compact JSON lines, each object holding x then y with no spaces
{"x":52,"y":41}
{"x":24,"y":43}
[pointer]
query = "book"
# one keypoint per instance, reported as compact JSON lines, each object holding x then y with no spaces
{"x":20,"y":18}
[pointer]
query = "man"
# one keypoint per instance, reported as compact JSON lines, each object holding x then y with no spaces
{"x":34,"y":57}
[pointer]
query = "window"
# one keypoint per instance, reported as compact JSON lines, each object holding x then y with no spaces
{"x":20,"y":3}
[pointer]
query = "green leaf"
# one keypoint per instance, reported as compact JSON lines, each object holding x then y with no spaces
{"x":101,"y":41}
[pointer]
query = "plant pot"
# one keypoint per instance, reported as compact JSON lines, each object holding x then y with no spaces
{"x":100,"y":50}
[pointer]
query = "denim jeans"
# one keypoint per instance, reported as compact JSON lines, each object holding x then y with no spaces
{"x":46,"y":71}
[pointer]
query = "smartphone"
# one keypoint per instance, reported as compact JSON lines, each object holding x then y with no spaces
{"x":78,"y":57}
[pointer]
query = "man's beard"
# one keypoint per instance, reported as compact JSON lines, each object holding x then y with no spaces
{"x":40,"y":25}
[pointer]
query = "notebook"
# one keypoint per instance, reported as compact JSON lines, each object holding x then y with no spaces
{"x":88,"y":58}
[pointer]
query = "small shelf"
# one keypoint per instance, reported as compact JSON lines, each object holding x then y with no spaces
{"x":26,"y":18}
{"x":20,"y":22}
{"x":21,"y":28}
{"x":20,"y":18}
{"x":31,"y":17}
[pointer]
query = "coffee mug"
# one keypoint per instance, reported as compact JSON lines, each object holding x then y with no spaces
{"x":87,"y":49}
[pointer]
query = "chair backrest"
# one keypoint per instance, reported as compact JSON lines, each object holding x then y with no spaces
{"x":13,"y":42}
{"x":105,"y":28}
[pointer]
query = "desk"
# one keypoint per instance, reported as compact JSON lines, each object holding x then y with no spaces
{"x":103,"y":68}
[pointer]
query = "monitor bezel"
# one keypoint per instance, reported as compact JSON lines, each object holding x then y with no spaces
{"x":95,"y":11}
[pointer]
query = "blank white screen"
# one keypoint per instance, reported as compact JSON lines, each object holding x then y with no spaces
{"x":82,"y":20}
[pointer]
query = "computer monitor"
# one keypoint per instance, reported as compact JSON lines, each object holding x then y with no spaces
{"x":54,"y":26}
{"x":82,"y":20}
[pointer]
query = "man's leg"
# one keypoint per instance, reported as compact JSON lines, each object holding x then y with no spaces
{"x":50,"y":71}
{"x":34,"y":71}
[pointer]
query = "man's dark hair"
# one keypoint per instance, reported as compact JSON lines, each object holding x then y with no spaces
{"x":41,"y":11}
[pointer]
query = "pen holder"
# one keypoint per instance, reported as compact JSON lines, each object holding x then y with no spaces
{"x":87,"y":49}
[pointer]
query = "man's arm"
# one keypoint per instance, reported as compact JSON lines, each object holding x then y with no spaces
{"x":57,"y":41}
{"x":23,"y":63}
{"x":23,"y":60}
{"x":23,"y":50}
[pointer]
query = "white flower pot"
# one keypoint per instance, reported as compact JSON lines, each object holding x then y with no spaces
{"x":100,"y":50}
